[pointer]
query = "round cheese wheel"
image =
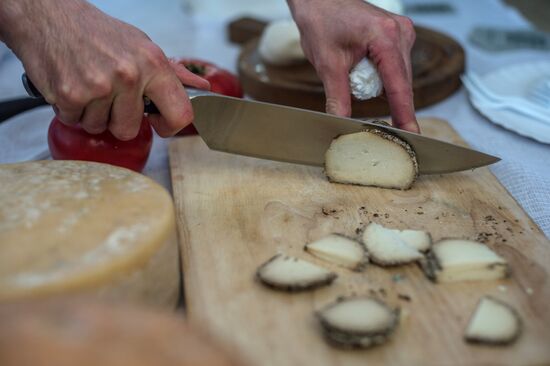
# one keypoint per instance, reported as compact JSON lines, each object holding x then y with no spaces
{"x":83,"y":227}
{"x":87,"y":333}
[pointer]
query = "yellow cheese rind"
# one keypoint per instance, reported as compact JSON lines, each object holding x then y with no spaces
{"x":68,"y":226}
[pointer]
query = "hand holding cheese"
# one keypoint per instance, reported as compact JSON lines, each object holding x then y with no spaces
{"x":336,"y":35}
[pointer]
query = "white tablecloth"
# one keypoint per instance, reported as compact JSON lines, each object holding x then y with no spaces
{"x":197,"y":28}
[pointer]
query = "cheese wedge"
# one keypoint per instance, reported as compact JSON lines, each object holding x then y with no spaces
{"x":371,"y":158}
{"x":293,"y":274}
{"x":339,"y":250}
{"x":463,"y":260}
{"x":387,"y":248}
{"x":82,"y":227}
{"x":493,"y":322}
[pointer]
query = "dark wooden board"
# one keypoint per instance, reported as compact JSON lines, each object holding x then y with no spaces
{"x":437,"y":61}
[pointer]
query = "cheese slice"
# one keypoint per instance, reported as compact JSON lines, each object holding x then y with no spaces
{"x":387,"y":248}
{"x":340,"y":250}
{"x":68,"y":226}
{"x":493,"y":322}
{"x":463,"y":260}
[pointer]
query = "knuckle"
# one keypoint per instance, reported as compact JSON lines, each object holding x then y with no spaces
{"x":390,"y":27}
{"x":407,"y":29}
{"x":127,"y":72}
{"x":99,"y":84}
{"x":70,"y":95}
{"x":153,"y":56}
{"x":325,"y":67}
{"x":406,"y":24}
{"x":174,"y":125}
{"x":399,"y":92}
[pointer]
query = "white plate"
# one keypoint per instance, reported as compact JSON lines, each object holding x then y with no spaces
{"x":517,"y":80}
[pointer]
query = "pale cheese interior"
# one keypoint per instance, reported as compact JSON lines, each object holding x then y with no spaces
{"x":368,"y":159}
{"x":418,"y":239}
{"x":385,"y":245}
{"x":493,"y":321}
{"x":462,"y":260}
{"x":290,"y":271}
{"x":339,"y":250}
{"x":360,"y":315}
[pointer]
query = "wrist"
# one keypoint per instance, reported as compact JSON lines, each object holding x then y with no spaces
{"x":300,"y":9}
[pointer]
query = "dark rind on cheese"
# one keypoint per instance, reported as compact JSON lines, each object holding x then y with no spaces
{"x":430,"y":265}
{"x":353,"y":339}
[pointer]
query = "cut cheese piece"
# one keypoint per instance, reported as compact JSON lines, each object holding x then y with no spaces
{"x":358,"y":321}
{"x":68,"y":226}
{"x":418,"y":239}
{"x":386,"y":248}
{"x":340,"y":250}
{"x":493,"y":322}
{"x":292,"y":274}
{"x":463,"y":260}
{"x":82,"y":332}
{"x":371,"y":158}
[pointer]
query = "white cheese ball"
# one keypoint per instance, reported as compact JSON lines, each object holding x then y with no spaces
{"x":280,"y":43}
{"x":364,"y":81}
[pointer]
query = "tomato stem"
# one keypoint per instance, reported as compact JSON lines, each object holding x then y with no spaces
{"x":196,"y":69}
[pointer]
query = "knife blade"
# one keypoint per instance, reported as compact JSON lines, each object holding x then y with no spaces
{"x":293,"y":135}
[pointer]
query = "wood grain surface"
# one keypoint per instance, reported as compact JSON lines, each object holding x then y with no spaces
{"x":235,"y":212}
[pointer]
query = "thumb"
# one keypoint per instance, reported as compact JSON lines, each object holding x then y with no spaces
{"x":337,"y":91}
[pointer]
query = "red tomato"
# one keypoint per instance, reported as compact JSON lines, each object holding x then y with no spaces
{"x":73,"y":143}
{"x":221,"y":82}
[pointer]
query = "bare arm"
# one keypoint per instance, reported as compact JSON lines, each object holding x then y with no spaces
{"x":95,"y":69}
{"x":337,"y":34}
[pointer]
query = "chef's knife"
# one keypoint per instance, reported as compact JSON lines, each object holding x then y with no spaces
{"x":294,"y":135}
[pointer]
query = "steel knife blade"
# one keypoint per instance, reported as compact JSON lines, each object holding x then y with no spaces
{"x":294,"y":135}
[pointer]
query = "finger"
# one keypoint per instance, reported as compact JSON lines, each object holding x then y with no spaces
{"x":126,"y":114}
{"x":337,"y":91}
{"x":96,"y":115}
{"x":406,"y":54}
{"x":69,"y":116}
{"x":398,"y":88}
{"x":188,"y":78}
{"x":173,"y":103}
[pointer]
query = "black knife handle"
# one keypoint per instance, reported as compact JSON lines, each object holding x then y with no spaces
{"x":12,"y":107}
{"x":149,"y":106}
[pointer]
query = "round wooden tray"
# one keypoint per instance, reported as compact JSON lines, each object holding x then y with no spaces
{"x":437,"y":62}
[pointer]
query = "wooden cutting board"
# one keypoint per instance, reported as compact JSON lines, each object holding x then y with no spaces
{"x":236,"y":212}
